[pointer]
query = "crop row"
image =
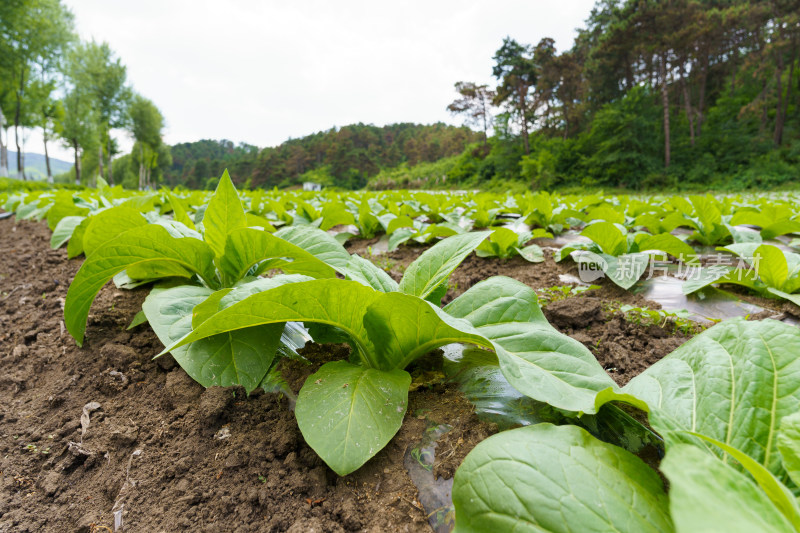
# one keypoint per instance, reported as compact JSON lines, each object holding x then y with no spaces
{"x":725,"y":403}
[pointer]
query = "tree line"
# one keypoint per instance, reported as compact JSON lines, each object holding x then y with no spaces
{"x":652,"y":93}
{"x":76,"y":92}
{"x":345,"y":157}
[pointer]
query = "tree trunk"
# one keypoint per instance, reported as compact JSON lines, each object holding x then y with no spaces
{"x":777,"y":136}
{"x":77,"y":162}
{"x":141,"y":167}
{"x":110,"y":173}
{"x":47,"y":157}
{"x":485,"y":123}
{"x":687,"y":104}
{"x":524,"y":120}
{"x":3,"y":147}
{"x":665,"y":103}
{"x":789,"y":81}
{"x":701,"y":99}
{"x":17,"y":115}
{"x":100,"y":158}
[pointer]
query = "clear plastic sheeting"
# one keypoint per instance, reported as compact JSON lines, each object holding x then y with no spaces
{"x":707,"y":305}
{"x":435,"y":494}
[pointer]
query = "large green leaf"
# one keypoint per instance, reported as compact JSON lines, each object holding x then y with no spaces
{"x":789,"y":445}
{"x":334,"y":302}
{"x":536,"y":359}
{"x":435,"y":265}
{"x":708,"y":496}
{"x":403,"y":328}
{"x":179,"y":212}
{"x":497,"y":300}
{"x":733,"y":382}
{"x":148,"y":245}
{"x":776,"y":491}
{"x":109,"y":224}
{"x":75,"y":244}
{"x":247,"y":247}
{"x":363,"y":271}
{"x":240,"y":357}
{"x":547,"y":478}
{"x":773,"y":268}
{"x":608,"y":236}
{"x":348,"y":413}
{"x":666,"y":242}
{"x":318,"y":243}
{"x":223,"y":215}
{"x":64,"y":230}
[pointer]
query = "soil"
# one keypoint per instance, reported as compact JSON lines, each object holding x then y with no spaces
{"x":173,"y":456}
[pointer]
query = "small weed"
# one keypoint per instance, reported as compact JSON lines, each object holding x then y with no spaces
{"x":549,"y":295}
{"x":644,"y":316}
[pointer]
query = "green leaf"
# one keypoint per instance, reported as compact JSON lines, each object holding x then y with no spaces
{"x":366,"y":273}
{"x":240,"y":357}
{"x":532,"y":253}
{"x":496,"y":301}
{"x":789,"y":445}
{"x":75,"y":244}
{"x":255,"y":221}
{"x":536,"y":359}
{"x":501,"y":242}
{"x":247,"y":247}
{"x":772,"y":266}
{"x":435,"y":265}
{"x":708,"y":496}
{"x":546,"y":478}
{"x":348,"y":413}
{"x":178,"y":211}
{"x":778,"y":494}
{"x":150,"y":244}
{"x":624,"y":270}
{"x":734,"y":383}
{"x":403,"y":328}
{"x":64,"y":230}
{"x":318,"y":243}
{"x":138,"y":319}
{"x":223,"y":215}
{"x":335,"y":302}
{"x":109,"y":224}
{"x":608,"y":236}
{"x":667,"y":243}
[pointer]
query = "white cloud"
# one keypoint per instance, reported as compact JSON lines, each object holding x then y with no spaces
{"x":264,"y":71}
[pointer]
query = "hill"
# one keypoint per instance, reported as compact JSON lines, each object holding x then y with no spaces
{"x":35,"y":165}
{"x":343,"y":157}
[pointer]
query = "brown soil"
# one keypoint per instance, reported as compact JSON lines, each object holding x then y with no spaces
{"x":172,"y":456}
{"x":625,"y":349}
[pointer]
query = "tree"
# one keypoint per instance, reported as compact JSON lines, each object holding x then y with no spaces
{"x":103,"y":75}
{"x":475,"y":103}
{"x":517,"y":73}
{"x":78,"y":127}
{"x":146,"y":124}
{"x":32,"y":32}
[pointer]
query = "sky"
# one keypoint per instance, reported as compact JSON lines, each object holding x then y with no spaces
{"x":262,"y":72}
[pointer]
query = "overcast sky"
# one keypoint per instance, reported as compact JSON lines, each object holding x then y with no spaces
{"x":264,"y":71}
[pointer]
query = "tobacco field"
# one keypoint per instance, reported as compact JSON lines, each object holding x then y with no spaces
{"x":405,"y":361}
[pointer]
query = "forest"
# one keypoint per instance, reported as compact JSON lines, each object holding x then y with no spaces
{"x":343,"y":157}
{"x":673,"y":94}
{"x":652,"y":95}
